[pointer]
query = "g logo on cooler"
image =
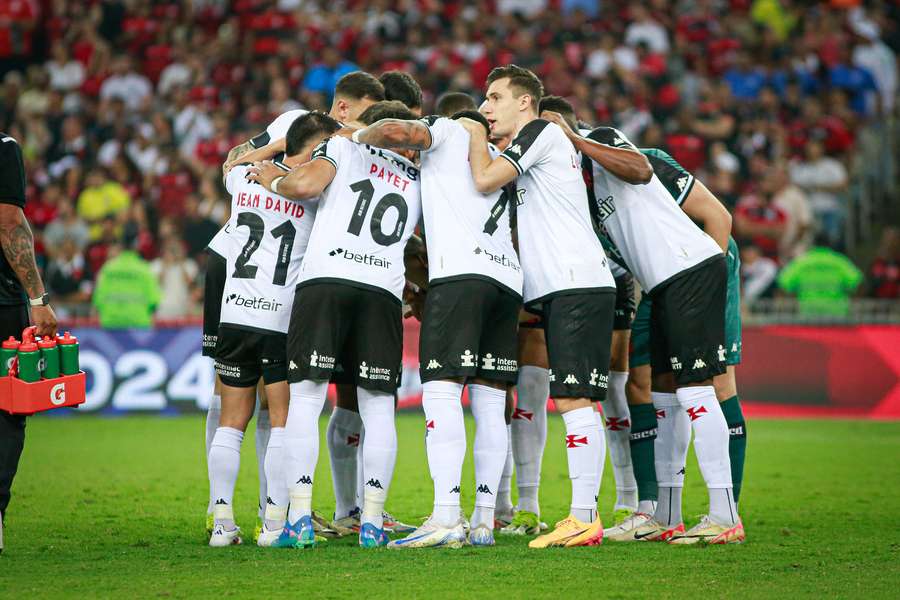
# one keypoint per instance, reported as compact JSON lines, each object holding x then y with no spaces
{"x":58,"y":394}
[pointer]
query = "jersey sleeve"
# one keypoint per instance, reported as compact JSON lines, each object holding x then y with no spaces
{"x":531,"y":146}
{"x":277,"y":129}
{"x":440,"y":128}
{"x":676,"y":179}
{"x":12,"y":173}
{"x":333,"y":150}
{"x":611,"y":137}
{"x":234,"y":177}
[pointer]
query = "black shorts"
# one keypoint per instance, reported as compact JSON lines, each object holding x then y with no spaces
{"x":469,"y":330}
{"x":243,"y":356}
{"x":687,"y":323}
{"x":578,"y":328}
{"x":625,"y":303}
{"x":13,"y":319}
{"x":212,"y":300}
{"x":359,"y":328}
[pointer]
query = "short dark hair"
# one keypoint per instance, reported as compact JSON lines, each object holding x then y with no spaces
{"x":400,"y":85}
{"x":521,"y":80}
{"x":358,"y":85}
{"x":562,"y":106}
{"x":386,"y":109}
{"x":304,"y":128}
{"x":475,"y":116}
{"x":451,"y":103}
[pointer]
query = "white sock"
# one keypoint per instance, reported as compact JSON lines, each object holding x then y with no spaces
{"x":360,"y":472}
{"x":277,"y":495}
{"x":213,"y":413}
{"x":301,"y":437}
{"x":529,"y":433}
{"x":379,"y":452}
{"x":617,"y":421}
{"x":343,"y":436}
{"x":504,"y":493}
{"x":601,"y":459}
{"x":445,"y":444}
{"x":711,"y":447}
{"x":672,"y":440}
{"x":224,"y":465}
{"x":491,"y":444}
{"x":263,"y":429}
{"x":583,"y":444}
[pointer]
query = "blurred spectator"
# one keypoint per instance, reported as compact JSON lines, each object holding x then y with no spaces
{"x":645,"y":29}
{"x":100,"y":199}
{"x":822,"y":178}
{"x":822,"y":279}
{"x":68,"y":276}
{"x":799,"y":224}
{"x":324,"y":76}
{"x":66,"y":226}
{"x":66,"y":73}
{"x":198,"y":228}
{"x":876,"y":57}
{"x":127,"y":291}
{"x":126,"y":84}
{"x":884,"y":272}
{"x":758,"y":274}
{"x":757,"y":218}
{"x":18,"y":19}
{"x":177,"y":277}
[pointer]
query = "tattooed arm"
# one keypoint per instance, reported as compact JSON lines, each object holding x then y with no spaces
{"x":18,"y":247}
{"x":396,"y":133}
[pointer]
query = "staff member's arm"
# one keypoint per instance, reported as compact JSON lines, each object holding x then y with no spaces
{"x":16,"y":238}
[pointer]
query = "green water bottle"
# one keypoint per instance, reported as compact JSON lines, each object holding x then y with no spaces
{"x":49,"y":358}
{"x":68,"y":353}
{"x":8,"y":350}
{"x":29,"y":357}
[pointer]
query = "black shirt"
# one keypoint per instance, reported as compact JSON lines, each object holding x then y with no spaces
{"x":12,"y":191}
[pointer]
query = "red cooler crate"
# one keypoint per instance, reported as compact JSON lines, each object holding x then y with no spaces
{"x":22,"y":398}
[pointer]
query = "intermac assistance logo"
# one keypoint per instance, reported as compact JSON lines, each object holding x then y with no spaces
{"x":253,"y":303}
{"x":359,"y":258}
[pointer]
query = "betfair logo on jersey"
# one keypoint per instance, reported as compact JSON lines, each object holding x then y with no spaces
{"x":362,"y":259}
{"x":258,"y":303}
{"x":520,"y":197}
{"x":500,"y":259}
{"x":605,"y":208}
{"x":321,"y":361}
{"x":515,"y":149}
{"x":468,"y":359}
{"x":599,"y":379}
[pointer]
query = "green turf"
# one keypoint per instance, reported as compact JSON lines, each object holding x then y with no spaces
{"x":116,"y":507}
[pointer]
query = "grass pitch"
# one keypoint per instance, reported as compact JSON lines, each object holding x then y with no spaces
{"x":115,"y":508}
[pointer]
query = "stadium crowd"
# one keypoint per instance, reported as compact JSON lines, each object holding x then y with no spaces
{"x":125,"y":110}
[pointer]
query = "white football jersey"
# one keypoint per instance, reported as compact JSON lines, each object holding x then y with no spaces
{"x":557,"y":244}
{"x":365,"y":217}
{"x":654,"y":236}
{"x":467,"y":233}
{"x":277,"y":129}
{"x":270,"y":236}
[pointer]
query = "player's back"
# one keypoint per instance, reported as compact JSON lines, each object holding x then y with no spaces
{"x":268,"y":238}
{"x":466,"y":232}
{"x":365,"y":217}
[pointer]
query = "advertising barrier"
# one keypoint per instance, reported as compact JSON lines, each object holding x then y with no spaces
{"x":791,"y":371}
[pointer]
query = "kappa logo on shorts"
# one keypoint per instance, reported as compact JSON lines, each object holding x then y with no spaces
{"x":468,"y":359}
{"x":570,"y":379}
{"x":699,"y":364}
{"x":292,"y":366}
{"x":734,"y":347}
{"x":487,"y":362}
{"x":676,"y":364}
{"x":721,"y":353}
{"x":433,"y":364}
{"x":599,"y":379}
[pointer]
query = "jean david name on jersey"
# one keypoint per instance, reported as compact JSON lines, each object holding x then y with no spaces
{"x":280,"y":206}
{"x":500,"y":259}
{"x":253,"y":303}
{"x":360,"y":258}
